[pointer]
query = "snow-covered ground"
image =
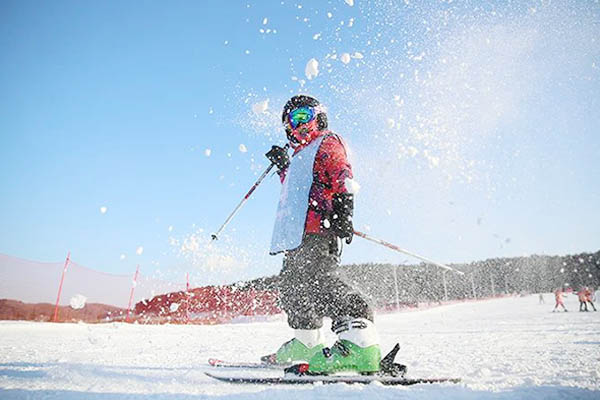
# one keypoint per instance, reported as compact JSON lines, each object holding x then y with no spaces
{"x":511,"y":348}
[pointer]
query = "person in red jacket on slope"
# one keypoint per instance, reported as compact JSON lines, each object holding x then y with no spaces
{"x":314,"y":215}
{"x":585,"y":297}
{"x":558,"y":296}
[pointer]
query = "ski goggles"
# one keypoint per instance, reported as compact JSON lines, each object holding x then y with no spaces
{"x":301,"y":115}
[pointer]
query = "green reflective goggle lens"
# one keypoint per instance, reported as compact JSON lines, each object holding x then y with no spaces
{"x":301,"y":115}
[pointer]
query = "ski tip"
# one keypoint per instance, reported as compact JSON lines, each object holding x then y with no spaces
{"x":270,"y":359}
{"x":213,"y":376}
{"x":214,"y":361}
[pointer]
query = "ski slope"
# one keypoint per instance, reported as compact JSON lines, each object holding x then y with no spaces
{"x":509,"y":348}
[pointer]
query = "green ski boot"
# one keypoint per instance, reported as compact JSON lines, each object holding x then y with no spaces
{"x":294,"y":350}
{"x":346,"y":356}
{"x":303,"y":347}
{"x":357,"y":349}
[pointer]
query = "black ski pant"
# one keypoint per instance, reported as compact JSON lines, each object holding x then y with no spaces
{"x":592,"y":304}
{"x":311,"y":288}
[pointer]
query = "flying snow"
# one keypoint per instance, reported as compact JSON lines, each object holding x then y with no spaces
{"x":139,"y":250}
{"x":312,"y":69}
{"x":200,"y":252}
{"x":351,"y":186}
{"x":77,"y":302}
{"x":103,"y":210}
{"x":242,"y":148}
{"x":261,"y":107}
{"x":207,"y":152}
{"x":345,"y":58}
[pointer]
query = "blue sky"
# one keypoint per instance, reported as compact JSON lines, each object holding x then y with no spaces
{"x":473,"y":127}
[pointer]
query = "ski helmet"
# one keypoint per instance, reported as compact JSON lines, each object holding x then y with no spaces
{"x":303,"y":101}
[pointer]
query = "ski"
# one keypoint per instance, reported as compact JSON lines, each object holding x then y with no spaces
{"x":214,"y":362}
{"x":391,"y":373}
{"x":328,"y":379}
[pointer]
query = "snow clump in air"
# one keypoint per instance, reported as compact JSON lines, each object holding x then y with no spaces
{"x":351,"y":186}
{"x":261,"y":107}
{"x":312,"y":69}
{"x":350,"y":2}
{"x":242,"y":148}
{"x":103,"y":210}
{"x":207,"y":152}
{"x":139,"y":250}
{"x":345,"y":58}
{"x":77,"y":302}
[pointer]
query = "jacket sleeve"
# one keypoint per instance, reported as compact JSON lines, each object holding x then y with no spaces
{"x":332,"y":166}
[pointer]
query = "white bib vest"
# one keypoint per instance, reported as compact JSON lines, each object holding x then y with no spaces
{"x":291,"y":215}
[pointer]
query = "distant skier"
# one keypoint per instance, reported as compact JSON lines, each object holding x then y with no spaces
{"x":314,"y":214}
{"x":588,"y":297}
{"x":558,"y":296}
{"x":582,"y":296}
{"x":541,"y":298}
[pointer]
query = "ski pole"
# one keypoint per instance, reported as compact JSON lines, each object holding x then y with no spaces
{"x":396,"y":248}
{"x":215,"y":236}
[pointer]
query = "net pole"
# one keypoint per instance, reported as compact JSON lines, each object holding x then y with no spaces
{"x":133,"y":285}
{"x":62,"y":279}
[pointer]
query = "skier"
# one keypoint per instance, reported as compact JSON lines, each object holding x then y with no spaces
{"x":581,"y":294}
{"x":558,"y":296}
{"x":313,"y":217}
{"x":541,"y":298}
{"x":588,"y":298}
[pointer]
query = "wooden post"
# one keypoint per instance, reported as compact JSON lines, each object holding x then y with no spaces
{"x":62,"y":279}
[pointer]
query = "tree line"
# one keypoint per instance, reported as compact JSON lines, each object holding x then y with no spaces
{"x":395,"y":284}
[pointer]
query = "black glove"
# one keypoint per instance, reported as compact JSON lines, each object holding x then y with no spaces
{"x":341,"y":220}
{"x":279,"y":156}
